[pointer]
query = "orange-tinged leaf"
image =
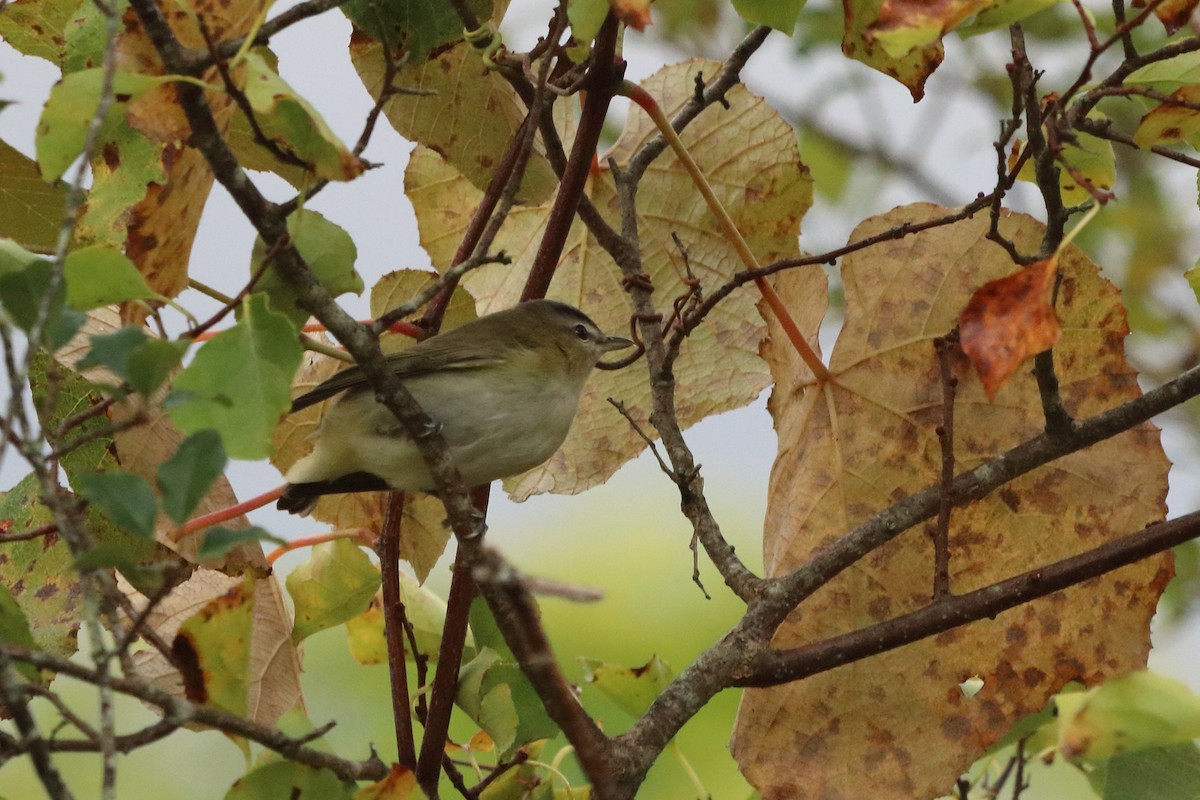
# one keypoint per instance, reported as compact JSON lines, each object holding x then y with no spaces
{"x":749,"y":156}
{"x":1010,"y":320}
{"x":400,"y":784}
{"x":634,"y":13}
{"x":1173,"y":14}
{"x":848,"y":449}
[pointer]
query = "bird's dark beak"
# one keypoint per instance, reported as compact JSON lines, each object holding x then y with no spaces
{"x":614,"y":343}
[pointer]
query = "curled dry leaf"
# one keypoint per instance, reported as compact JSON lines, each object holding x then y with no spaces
{"x":749,"y":156}
{"x":1009,"y":320}
{"x":850,"y":448}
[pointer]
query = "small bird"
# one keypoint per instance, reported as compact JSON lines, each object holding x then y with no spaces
{"x":503,"y":389}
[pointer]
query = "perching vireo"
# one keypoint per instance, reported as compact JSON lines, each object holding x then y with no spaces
{"x":504,"y":389}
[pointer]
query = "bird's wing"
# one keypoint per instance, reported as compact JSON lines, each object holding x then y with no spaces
{"x":440,"y":353}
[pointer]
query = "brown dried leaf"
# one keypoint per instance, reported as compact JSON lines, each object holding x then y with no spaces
{"x":1010,"y":320}
{"x":848,"y":449}
{"x":749,"y":155}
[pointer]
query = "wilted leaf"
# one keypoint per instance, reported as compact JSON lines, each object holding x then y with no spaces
{"x":212,"y":650}
{"x":1126,"y":714}
{"x":336,"y":584}
{"x":633,"y":13}
{"x":468,"y":118}
{"x":1008,"y":321}
{"x":30,"y":209}
{"x":848,"y":449}
{"x":749,"y":155}
{"x":237,"y":384}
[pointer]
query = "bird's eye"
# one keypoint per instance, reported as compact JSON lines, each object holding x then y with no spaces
{"x":582,"y":332}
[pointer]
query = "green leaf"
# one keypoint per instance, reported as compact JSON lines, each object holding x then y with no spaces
{"x":14,"y":629}
{"x":62,"y":128}
{"x":334,"y":585}
{"x":1163,"y":773}
{"x":287,"y":119}
{"x":586,"y":17}
{"x":288,"y":780}
{"x":494,"y":692}
{"x":631,"y":688}
{"x":418,"y":28}
{"x":142,"y":361}
{"x":1170,"y":75}
{"x":21,"y":294}
{"x":425,"y":611}
{"x":124,"y":497}
{"x":30,"y":209}
{"x":101,"y":276}
{"x":151,"y":364}
{"x":778,"y":14}
{"x":240,"y":381}
{"x":1129,"y":713}
{"x":187,"y":476}
{"x":219,"y":541}
{"x":329,"y":252}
